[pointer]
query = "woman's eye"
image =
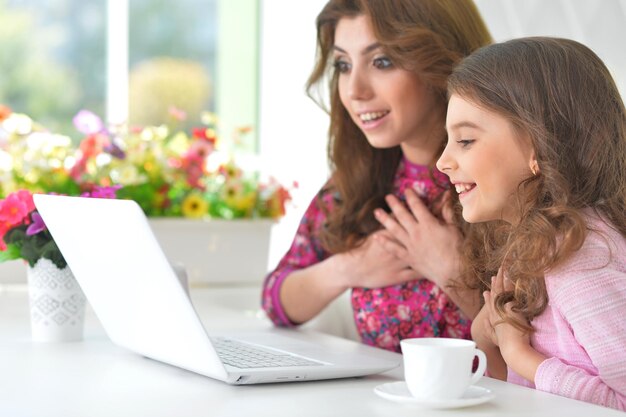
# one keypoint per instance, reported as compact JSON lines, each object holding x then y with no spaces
{"x":465,"y":142}
{"x":341,"y":66}
{"x":383,"y":63}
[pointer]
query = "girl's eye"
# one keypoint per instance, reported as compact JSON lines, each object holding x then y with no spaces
{"x":465,"y":142}
{"x":383,"y":62}
{"x":341,"y":66}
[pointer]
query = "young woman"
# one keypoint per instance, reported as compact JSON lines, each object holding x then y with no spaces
{"x":386,"y":64}
{"x":537,"y":150}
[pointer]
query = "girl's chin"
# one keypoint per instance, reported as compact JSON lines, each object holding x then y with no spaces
{"x":471,"y":216}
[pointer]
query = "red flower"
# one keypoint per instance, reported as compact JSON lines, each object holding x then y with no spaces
{"x":5,"y":112}
{"x":93,"y":145}
{"x":208,"y":135}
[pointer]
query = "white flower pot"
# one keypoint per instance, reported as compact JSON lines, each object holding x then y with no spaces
{"x":57,"y":303}
{"x":216,"y":251}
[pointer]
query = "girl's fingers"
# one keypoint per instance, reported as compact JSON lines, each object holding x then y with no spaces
{"x":498,"y":282}
{"x":508,"y":284}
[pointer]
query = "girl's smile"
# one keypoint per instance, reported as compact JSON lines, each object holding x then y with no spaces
{"x":486,"y":160}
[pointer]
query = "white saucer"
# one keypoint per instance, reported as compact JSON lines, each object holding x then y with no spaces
{"x":398,"y":392}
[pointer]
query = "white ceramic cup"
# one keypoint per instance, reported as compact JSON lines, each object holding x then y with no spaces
{"x":440,"y":368}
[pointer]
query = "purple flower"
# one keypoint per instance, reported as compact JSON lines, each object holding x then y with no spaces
{"x":102,"y":192}
{"x":36,"y":226}
{"x":114,"y":150}
{"x":88,"y":123}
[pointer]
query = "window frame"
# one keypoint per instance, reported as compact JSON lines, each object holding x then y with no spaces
{"x":236,"y":98}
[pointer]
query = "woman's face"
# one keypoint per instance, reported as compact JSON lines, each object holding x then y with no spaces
{"x":390,"y":105}
{"x":485,"y":160}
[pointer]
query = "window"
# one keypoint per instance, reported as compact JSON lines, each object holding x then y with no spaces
{"x":192,"y":55}
{"x":53,"y":58}
{"x":172,"y":59}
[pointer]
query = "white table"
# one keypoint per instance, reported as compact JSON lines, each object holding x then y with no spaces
{"x":95,"y":378}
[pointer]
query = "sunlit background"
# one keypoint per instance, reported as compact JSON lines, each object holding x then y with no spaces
{"x":246,"y":60}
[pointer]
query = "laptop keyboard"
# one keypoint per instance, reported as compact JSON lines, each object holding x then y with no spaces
{"x":245,"y":355}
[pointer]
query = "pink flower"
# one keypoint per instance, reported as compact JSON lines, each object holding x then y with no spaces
{"x":193,"y":167}
{"x":177,"y":113}
{"x":200,"y":149}
{"x":13,"y":210}
{"x":103,"y":192}
{"x":4,"y":228}
{"x":26,"y":197}
{"x":88,"y":123}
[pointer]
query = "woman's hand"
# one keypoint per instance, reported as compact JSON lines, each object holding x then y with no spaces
{"x":307,"y":291}
{"x":371,"y":265}
{"x":430,"y":246}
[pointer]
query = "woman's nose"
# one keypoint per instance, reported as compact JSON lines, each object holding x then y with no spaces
{"x":359,"y":87}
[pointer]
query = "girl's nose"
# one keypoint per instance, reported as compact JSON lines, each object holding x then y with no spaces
{"x":446,"y":162}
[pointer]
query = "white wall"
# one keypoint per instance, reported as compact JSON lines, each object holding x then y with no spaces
{"x":293,"y":130}
{"x":599,"y":24}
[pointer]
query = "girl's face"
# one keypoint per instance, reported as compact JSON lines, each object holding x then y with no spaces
{"x":485,"y":160}
{"x":390,"y":105}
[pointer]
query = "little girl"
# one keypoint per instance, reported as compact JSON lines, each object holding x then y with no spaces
{"x":537,"y":152}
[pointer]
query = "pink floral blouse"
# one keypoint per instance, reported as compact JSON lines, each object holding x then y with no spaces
{"x":383,"y":316}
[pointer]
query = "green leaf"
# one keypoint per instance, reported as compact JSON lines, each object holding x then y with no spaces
{"x":51,"y":251}
{"x":12,"y":252}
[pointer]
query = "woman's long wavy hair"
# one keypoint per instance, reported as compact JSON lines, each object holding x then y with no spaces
{"x":426,"y":37}
{"x":558,"y":93}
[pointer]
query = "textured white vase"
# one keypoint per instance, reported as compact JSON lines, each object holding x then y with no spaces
{"x":57,"y":303}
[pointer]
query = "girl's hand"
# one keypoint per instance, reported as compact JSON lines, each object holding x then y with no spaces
{"x":427,"y":244}
{"x":485,"y":337}
{"x":506,"y":335}
{"x":482,"y":331}
{"x":514,"y":344}
{"x":371,"y":265}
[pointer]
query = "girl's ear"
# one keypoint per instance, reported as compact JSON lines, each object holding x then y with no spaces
{"x":532,"y":161}
{"x":534,"y":165}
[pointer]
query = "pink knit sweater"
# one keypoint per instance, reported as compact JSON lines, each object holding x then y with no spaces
{"x":583,"y":329}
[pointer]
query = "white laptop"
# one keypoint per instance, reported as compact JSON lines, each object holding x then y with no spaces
{"x":143,"y":307}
